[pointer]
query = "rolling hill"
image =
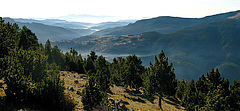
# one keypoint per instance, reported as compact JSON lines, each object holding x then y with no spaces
{"x":167,"y":24}
{"x":193,"y":50}
{"x":56,"y":29}
{"x":45,"y":32}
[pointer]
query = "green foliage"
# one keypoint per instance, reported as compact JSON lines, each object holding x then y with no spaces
{"x":95,"y":92}
{"x":31,"y":81}
{"x":161,"y":79}
{"x":92,"y":56}
{"x":211,"y":93}
{"x":31,"y":73}
{"x":190,"y":97}
{"x":116,"y":70}
{"x":127,"y":72}
{"x":217,"y":100}
{"x":181,"y":86}
{"x":214,"y":78}
{"x":103,"y":75}
{"x":234,"y":100}
{"x":134,"y":70}
{"x":18,"y":84}
{"x":89,"y":66}
{"x":91,"y":94}
{"x":50,"y":91}
{"x":27,"y":39}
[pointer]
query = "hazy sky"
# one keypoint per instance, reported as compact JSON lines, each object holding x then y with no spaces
{"x":113,"y":10}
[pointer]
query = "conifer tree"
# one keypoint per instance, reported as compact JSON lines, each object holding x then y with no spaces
{"x":214,"y":78}
{"x":48,"y":51}
{"x":27,"y":39}
{"x":57,"y":56}
{"x":80,"y":67}
{"x":18,"y":84}
{"x":202,"y":86}
{"x":92,"y":56}
{"x":181,"y":86}
{"x":216,"y":100}
{"x":103,"y":73}
{"x":162,"y":80}
{"x":91,"y":94}
{"x":134,"y":71}
{"x":190,"y":100}
{"x":234,"y":99}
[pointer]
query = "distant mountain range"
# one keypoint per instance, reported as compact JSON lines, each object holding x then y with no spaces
{"x":167,"y":24}
{"x":56,"y":29}
{"x":193,"y":45}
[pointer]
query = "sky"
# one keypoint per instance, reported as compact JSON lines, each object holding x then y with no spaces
{"x":113,"y":10}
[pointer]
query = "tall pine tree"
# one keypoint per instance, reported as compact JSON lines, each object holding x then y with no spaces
{"x":161,"y":77}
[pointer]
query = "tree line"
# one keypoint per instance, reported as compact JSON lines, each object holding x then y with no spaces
{"x":32,"y":79}
{"x":210,"y":92}
{"x":31,"y":72}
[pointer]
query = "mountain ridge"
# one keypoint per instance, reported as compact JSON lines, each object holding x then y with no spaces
{"x":193,"y":50}
{"x":168,"y":24}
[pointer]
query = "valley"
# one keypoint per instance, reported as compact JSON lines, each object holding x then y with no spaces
{"x":194,"y":45}
{"x":192,"y":68}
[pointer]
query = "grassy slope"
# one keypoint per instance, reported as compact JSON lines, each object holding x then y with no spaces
{"x":131,"y":101}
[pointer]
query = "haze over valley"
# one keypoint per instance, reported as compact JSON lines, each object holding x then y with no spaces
{"x":194,"y":45}
{"x":126,"y":55}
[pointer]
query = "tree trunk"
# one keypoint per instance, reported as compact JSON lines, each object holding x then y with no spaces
{"x":160,"y":102}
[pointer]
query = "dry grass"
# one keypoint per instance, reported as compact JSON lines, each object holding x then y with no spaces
{"x":131,"y":100}
{"x":2,"y":86}
{"x":139,"y":102}
{"x":76,"y":82}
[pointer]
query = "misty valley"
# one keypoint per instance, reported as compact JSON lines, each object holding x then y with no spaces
{"x":161,"y":63}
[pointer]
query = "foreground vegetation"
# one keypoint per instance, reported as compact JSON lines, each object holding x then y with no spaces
{"x":131,"y":100}
{"x":31,"y":74}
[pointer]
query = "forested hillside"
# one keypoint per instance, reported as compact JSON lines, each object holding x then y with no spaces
{"x":193,"y":50}
{"x":31,"y":79}
{"x":167,"y":24}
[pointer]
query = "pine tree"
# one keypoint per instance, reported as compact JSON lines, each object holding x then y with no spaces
{"x":73,"y":52}
{"x":202,"y":86}
{"x":162,"y":80}
{"x":91,"y":94}
{"x":234,"y":99}
{"x":48,"y":51}
{"x":57,"y":56}
{"x":92,"y":56}
{"x":24,"y":69}
{"x":134,"y":71}
{"x":27,"y":39}
{"x":18,"y":82}
{"x":214,"y":78}
{"x":181,"y":86}
{"x":216,"y":100}
{"x":89,"y":67}
{"x":80,"y":67}
{"x":103,"y":73}
{"x":190,"y":97}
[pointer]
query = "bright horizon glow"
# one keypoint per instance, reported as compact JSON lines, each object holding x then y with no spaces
{"x":114,"y":10}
